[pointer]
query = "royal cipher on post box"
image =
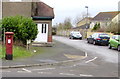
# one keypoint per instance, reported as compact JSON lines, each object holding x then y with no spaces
{"x":9,"y":45}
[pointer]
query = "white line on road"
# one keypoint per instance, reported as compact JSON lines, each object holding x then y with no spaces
{"x":66,"y":74}
{"x":84,"y":75}
{"x":91,"y":60}
{"x":44,"y":72}
{"x":43,"y":69}
{"x":26,"y":70}
{"x":86,"y":54}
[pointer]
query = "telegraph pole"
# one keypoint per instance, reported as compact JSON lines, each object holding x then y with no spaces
{"x":86,"y":20}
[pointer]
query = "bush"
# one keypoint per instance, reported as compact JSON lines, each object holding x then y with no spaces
{"x":96,"y":26}
{"x":24,"y":28}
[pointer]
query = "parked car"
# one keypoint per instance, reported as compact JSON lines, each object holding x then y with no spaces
{"x":75,"y":35}
{"x":99,"y":38}
{"x":114,"y":42}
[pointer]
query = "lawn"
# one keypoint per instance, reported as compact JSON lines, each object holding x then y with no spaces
{"x":20,"y":52}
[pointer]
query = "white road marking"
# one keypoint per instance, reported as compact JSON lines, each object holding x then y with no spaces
{"x":66,"y":74}
{"x":26,"y":70}
{"x":84,"y":75}
{"x":44,"y":72}
{"x":91,"y":60}
{"x":43,"y":69}
{"x":23,"y":72}
{"x":86,"y":54}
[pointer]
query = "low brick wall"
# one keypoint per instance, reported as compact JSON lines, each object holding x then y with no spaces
{"x":90,"y":33}
{"x":83,"y":32}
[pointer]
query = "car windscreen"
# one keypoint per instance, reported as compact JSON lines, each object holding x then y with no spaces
{"x":103,"y":35}
{"x":76,"y":33}
{"x":117,"y":37}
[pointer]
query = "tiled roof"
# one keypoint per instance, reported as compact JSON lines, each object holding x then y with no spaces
{"x":86,"y":18}
{"x":43,"y":10}
{"x":106,"y":15}
{"x":86,"y":26}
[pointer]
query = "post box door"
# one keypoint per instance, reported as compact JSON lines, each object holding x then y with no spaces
{"x":9,"y":43}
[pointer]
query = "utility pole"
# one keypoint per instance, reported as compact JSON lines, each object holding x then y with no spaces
{"x":86,"y":20}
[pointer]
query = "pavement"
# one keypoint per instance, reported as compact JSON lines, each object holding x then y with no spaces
{"x":59,"y":53}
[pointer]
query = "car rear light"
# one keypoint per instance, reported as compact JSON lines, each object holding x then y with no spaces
{"x":98,"y":38}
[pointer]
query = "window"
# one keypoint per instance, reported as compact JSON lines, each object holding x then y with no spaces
{"x":44,"y":28}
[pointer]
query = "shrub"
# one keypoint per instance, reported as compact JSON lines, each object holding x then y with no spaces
{"x":96,"y":26}
{"x":24,"y":28}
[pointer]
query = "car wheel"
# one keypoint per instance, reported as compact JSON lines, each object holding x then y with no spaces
{"x":118,"y":48}
{"x":109,"y":46}
{"x":72,"y":38}
{"x":94,"y":42}
{"x":69,"y":37}
{"x":88,"y":41}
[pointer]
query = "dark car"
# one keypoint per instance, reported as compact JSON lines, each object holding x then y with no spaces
{"x":75,"y":35}
{"x":99,"y":38}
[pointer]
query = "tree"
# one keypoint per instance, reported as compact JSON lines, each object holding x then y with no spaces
{"x":96,"y":26}
{"x":77,"y":19}
{"x":24,"y":28}
{"x":67,"y":23}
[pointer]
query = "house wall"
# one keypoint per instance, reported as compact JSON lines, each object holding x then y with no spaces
{"x":116,"y":19}
{"x":103,"y":24}
{"x":49,"y":22}
{"x":16,"y":8}
{"x":83,"y":22}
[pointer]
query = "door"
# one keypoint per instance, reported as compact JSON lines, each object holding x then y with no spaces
{"x":42,"y":33}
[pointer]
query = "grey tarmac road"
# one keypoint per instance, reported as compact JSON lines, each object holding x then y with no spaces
{"x":92,"y":50}
{"x":99,"y":62}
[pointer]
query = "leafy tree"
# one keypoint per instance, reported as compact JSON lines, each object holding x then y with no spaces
{"x":24,"y":28}
{"x":96,"y":26}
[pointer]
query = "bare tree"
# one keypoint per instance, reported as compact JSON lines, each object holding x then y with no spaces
{"x":79,"y":17}
{"x":67,"y":23}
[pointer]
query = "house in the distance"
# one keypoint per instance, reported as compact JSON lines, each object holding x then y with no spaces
{"x":83,"y":25}
{"x":105,"y":18}
{"x":41,"y":13}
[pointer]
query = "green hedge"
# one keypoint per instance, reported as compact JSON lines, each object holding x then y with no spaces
{"x":24,"y":28}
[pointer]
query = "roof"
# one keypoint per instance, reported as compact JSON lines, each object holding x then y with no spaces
{"x":86,"y":26}
{"x":86,"y":18}
{"x":106,"y":15}
{"x":44,"y":11}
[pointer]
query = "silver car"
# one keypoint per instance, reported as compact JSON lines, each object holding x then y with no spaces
{"x":75,"y":35}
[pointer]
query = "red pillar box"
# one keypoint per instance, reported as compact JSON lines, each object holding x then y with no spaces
{"x":9,"y":45}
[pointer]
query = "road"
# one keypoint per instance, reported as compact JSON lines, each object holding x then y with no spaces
{"x":99,"y":61}
{"x":95,"y":50}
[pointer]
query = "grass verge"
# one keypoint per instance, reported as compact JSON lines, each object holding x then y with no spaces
{"x":19,"y":52}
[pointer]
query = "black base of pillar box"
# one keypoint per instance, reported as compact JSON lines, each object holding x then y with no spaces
{"x":9,"y":57}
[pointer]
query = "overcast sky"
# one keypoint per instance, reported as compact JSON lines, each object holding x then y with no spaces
{"x":73,"y":8}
